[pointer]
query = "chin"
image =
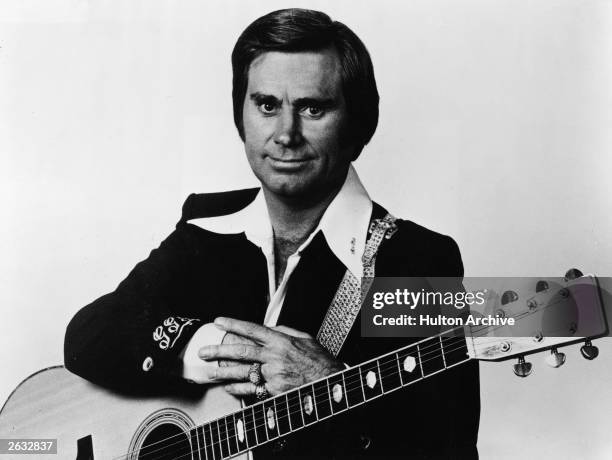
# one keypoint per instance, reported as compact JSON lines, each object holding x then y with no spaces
{"x":290,"y":189}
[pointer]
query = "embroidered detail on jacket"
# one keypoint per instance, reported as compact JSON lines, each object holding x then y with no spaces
{"x":171,"y":329}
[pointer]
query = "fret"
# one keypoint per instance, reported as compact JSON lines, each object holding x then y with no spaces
{"x":419,"y":360}
{"x":208,"y":444}
{"x":455,"y":349}
{"x":337,"y":391}
{"x":295,"y":413}
{"x":201,"y":443}
{"x":354,"y":393}
{"x":288,"y":411}
{"x":195,"y":445}
{"x":223,"y":438}
{"x":260,"y":423}
{"x":214,"y":436}
{"x":314,"y":402}
{"x":282,"y":414}
{"x":322,"y":401}
{"x":430,"y":353}
{"x":409,"y":364}
{"x":370,"y":379}
{"x":270,"y":418}
{"x":442,"y":349}
{"x":249,"y":426}
{"x":307,"y":405}
{"x":231,"y":434}
{"x":241,"y":431}
{"x":388,"y":367}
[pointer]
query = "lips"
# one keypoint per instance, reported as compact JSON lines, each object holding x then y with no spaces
{"x":289,"y":160}
{"x":288,"y":163}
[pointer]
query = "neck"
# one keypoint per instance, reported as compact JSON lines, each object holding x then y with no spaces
{"x":294,"y":220}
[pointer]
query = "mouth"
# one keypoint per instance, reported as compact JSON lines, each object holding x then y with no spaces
{"x":289,"y":163}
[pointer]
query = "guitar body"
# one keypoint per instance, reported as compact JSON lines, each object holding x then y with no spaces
{"x":90,"y":422}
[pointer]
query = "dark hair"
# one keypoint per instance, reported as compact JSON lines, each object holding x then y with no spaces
{"x":295,"y":30}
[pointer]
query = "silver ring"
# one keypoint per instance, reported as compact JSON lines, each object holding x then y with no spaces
{"x":255,"y":376}
{"x":261,"y":392}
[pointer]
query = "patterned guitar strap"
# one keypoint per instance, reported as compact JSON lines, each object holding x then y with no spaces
{"x":346,"y":303}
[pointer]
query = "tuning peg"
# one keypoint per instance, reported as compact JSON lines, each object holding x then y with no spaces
{"x":541,"y":286}
{"x":508,"y":297}
{"x":555,"y":359}
{"x":589,"y":351}
{"x":522,"y":368}
{"x":572,"y":274}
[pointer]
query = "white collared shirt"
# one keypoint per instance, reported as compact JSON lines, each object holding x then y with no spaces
{"x":344,"y":225}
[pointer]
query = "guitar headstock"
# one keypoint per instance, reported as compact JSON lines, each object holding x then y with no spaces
{"x":548,"y":314}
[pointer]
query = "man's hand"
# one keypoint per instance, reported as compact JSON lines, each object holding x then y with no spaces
{"x":233,"y":339}
{"x":289,"y":358}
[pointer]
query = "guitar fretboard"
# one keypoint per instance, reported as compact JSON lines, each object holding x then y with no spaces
{"x":298,"y":408}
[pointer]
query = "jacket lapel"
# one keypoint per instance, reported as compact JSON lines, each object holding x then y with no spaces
{"x":312,"y":287}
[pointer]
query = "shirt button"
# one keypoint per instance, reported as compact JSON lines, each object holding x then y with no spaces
{"x":147,"y":364}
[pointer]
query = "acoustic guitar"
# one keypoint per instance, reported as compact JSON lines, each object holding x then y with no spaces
{"x":58,"y":410}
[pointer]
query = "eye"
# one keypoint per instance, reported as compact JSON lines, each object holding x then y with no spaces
{"x":267,"y":108}
{"x":313,"y":111}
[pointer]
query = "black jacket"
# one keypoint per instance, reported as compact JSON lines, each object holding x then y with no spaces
{"x":124,"y":339}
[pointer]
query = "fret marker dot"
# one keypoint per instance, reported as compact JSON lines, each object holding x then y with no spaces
{"x":308,"y":406}
{"x":371,"y":379}
{"x":270,"y":417}
{"x":337,"y":392}
{"x":240,"y":430}
{"x":409,"y":364}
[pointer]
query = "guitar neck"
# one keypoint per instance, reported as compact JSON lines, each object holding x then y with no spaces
{"x":300,"y":407}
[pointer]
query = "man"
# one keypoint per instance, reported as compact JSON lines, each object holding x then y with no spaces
{"x":247,"y":276}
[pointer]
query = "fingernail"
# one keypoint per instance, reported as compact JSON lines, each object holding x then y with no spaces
{"x":203,"y":353}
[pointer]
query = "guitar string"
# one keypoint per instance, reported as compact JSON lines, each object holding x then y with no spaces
{"x":291,"y":411}
{"x":348,"y":382}
{"x":291,"y":407}
{"x":426,"y":340}
{"x":225,"y":438}
{"x":230,"y":438}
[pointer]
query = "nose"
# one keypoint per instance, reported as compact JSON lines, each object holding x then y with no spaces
{"x":288,"y":131}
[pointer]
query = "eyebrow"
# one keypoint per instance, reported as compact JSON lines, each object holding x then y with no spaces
{"x":324,"y":102}
{"x":260,"y":98}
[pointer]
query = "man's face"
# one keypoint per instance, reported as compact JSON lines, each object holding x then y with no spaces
{"x":294,"y":115}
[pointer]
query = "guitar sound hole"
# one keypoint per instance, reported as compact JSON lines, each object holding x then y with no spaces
{"x":165,"y":442}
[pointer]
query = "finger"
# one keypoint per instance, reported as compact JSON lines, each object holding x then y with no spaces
{"x":238,"y":373}
{"x":247,"y":329}
{"x":293,"y":332}
{"x":240,"y":389}
{"x":235,"y":352}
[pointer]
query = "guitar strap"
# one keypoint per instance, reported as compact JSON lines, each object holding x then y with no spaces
{"x":346,"y":303}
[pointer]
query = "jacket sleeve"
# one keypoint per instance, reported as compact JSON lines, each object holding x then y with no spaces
{"x":135,"y":334}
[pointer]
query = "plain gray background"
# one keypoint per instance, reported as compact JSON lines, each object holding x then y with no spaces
{"x":493,"y":129}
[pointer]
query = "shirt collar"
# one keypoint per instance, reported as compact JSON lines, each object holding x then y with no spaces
{"x":344,"y":223}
